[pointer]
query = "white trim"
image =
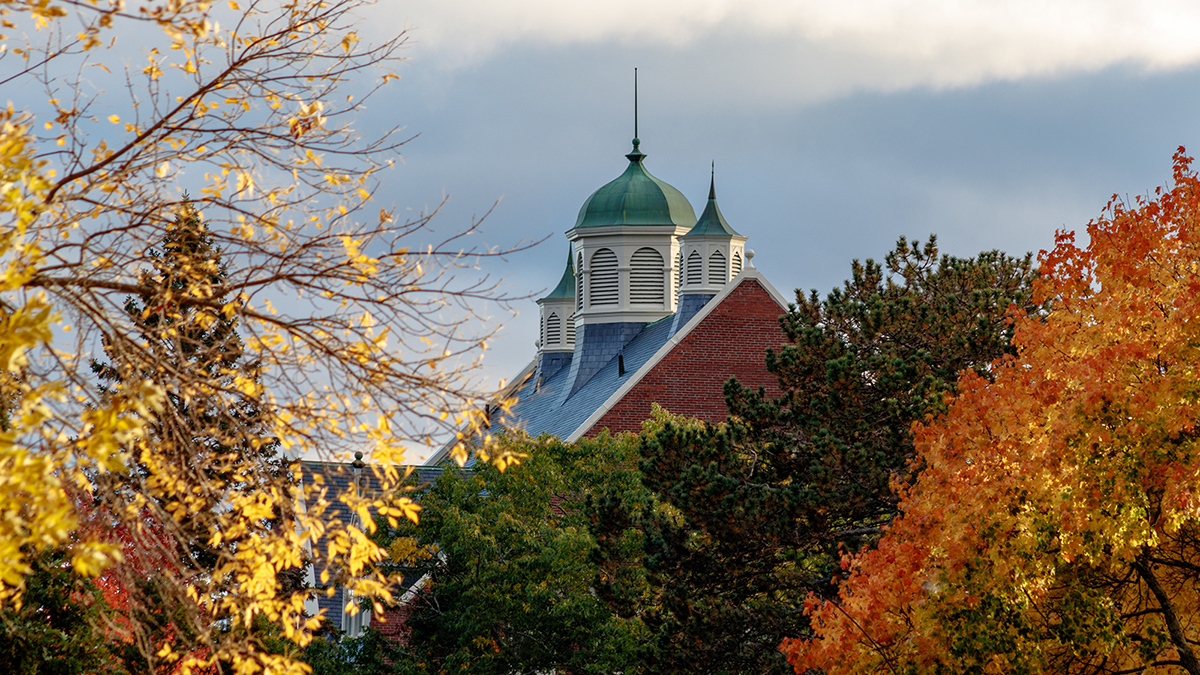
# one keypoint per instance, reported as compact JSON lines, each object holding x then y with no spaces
{"x":747,"y":273}
{"x":416,"y":587}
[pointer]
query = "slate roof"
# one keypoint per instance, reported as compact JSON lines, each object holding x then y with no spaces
{"x":541,"y":409}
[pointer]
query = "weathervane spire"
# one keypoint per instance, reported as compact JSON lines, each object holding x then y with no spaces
{"x":636,"y":155}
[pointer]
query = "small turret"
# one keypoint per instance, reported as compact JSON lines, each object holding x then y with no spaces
{"x":556,"y":334}
{"x":711,"y":254}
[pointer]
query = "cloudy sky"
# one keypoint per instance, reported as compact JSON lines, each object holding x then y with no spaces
{"x":836,"y":126}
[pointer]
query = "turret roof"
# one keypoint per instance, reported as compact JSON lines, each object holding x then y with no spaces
{"x":566,"y":285}
{"x":711,"y":221}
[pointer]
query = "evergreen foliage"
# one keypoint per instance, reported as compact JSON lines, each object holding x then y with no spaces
{"x":761,"y":507}
{"x":55,"y":631}
{"x":512,"y":565}
{"x":194,"y":353}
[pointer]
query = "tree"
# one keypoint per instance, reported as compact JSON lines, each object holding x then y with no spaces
{"x":1054,"y":526}
{"x":228,"y":446}
{"x":361,"y":326}
{"x":511,"y":565}
{"x":54,"y":630}
{"x":762,"y":506}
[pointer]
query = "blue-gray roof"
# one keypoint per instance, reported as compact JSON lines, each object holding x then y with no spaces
{"x":541,"y":410}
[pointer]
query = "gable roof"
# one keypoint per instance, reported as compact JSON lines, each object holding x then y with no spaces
{"x":645,"y":367}
{"x":541,"y":408}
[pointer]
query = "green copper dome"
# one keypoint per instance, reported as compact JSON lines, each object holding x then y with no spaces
{"x":566,"y":285}
{"x":636,"y":198}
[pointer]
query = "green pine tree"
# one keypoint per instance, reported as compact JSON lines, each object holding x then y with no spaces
{"x":213,"y":425}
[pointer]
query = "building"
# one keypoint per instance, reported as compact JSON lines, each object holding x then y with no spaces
{"x":654,"y":305}
{"x":336,"y":479}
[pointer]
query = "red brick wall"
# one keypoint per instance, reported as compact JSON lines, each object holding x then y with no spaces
{"x":730,"y":342}
{"x":393,"y":624}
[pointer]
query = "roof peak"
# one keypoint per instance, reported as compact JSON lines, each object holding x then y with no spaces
{"x":566,"y":285}
{"x":712,"y":221}
{"x":636,"y":155}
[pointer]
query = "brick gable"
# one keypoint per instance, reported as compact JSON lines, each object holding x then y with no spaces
{"x":731,"y":341}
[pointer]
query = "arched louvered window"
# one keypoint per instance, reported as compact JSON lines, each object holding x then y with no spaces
{"x":695,"y":269}
{"x":579,"y":282}
{"x":678,"y":273}
{"x":571,"y":329}
{"x":717,"y":272}
{"x":603,"y":285}
{"x":737,"y":263}
{"x":646,"y":277}
{"x":553,"y":329}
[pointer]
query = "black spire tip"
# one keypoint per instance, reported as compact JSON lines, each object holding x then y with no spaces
{"x":636,"y":155}
{"x":712,"y":181}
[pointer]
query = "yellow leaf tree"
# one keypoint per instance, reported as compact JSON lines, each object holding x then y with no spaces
{"x":362,"y":327}
{"x":1055,"y":524}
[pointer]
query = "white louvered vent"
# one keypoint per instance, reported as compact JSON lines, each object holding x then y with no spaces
{"x":542,"y":330}
{"x":604,"y":286}
{"x":695,"y":270}
{"x":646,"y":277}
{"x":737,"y":263}
{"x":579,"y":283}
{"x":571,"y":329}
{"x":716,"y":268}
{"x":678,"y":274}
{"x":553,"y":329}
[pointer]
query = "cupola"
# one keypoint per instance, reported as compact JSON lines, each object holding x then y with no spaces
{"x":556,"y":334}
{"x":626,"y":244}
{"x":710,"y":255}
{"x":712,"y":251}
{"x":636,"y":197}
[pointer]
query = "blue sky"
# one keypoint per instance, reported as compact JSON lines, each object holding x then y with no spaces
{"x":835,"y":127}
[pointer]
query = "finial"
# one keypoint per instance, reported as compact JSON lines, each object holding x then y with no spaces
{"x":712,"y":181}
{"x":749,"y":257}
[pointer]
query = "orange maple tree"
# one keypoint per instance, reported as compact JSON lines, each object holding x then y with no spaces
{"x":1055,"y":524}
